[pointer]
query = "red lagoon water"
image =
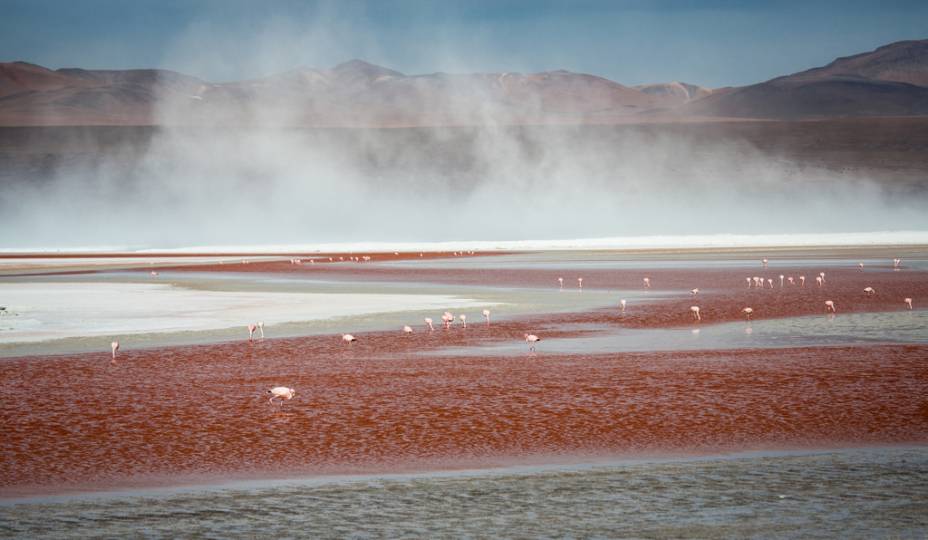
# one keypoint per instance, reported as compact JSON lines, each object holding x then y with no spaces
{"x":166,"y":415}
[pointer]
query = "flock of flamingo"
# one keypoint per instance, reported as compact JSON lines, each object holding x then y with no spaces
{"x":279,"y":394}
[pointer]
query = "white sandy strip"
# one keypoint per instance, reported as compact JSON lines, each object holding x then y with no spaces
{"x":711,"y":241}
{"x":46,"y":311}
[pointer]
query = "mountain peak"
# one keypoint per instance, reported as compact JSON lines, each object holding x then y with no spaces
{"x":360,"y":67}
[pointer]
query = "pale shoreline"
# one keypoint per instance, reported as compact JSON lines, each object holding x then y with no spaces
{"x":510,"y":467}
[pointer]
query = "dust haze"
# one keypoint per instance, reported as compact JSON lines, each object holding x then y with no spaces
{"x":244,"y":177}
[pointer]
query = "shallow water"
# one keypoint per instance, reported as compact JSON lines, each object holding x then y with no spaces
{"x":849,"y":494}
{"x":818,"y":330}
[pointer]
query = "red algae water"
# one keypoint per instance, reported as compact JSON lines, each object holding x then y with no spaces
{"x":172,"y":414}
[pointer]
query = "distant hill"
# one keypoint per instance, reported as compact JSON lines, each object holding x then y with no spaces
{"x":890,"y":81}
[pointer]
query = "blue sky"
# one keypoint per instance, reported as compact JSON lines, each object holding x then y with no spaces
{"x":713,"y":42}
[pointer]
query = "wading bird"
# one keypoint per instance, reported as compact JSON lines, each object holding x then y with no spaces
{"x":622,"y":303}
{"x":531,"y":339}
{"x":860,"y":266}
{"x":447,"y":319}
{"x":560,"y":282}
{"x":747,"y":312}
{"x":830,"y":306}
{"x":869,"y":291}
{"x":695,"y":311}
{"x":154,"y":274}
{"x":251,"y":332}
{"x":647,"y":283}
{"x":115,"y":346}
{"x":407,"y":329}
{"x":897,"y":263}
{"x":764,"y":263}
{"x":694,"y":292}
{"x":822,"y":275}
{"x":749,"y":282}
{"x":428,"y":322}
{"x":463,"y":319}
{"x":818,"y":279}
{"x":486,"y":315}
{"x":261,"y":329}
{"x":348,"y":338}
{"x":791,"y":280}
{"x":282,"y":393}
{"x":580,"y":283}
{"x":781,"y":280}
{"x":802,"y":281}
{"x":770,"y":282}
{"x":908,"y":302}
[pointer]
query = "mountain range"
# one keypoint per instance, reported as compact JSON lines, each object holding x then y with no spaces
{"x":889,"y":81}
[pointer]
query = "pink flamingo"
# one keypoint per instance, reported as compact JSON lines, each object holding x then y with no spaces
{"x":622,"y":303}
{"x":748,"y":312}
{"x":897,"y":263}
{"x":261,"y":329}
{"x":251,"y":332}
{"x":869,"y":291}
{"x":791,"y":280}
{"x":580,"y":283}
{"x":407,"y":329}
{"x":115,"y":346}
{"x":758,"y":282}
{"x":764,"y":262}
{"x":694,"y":292}
{"x":830,"y":306}
{"x":447,"y":319}
{"x":802,"y":281}
{"x":908,"y":302}
{"x":781,"y":280}
{"x":560,"y":281}
{"x":822,"y":275}
{"x":463,"y":319}
{"x":770,"y":282}
{"x":428,"y":322}
{"x":749,"y":282}
{"x":818,"y":279}
{"x":695,"y":311}
{"x":647,"y":283}
{"x":860,"y":266}
{"x":486,"y":315}
{"x":348,"y":338}
{"x":154,"y":274}
{"x":532,"y":339}
{"x":282,"y":393}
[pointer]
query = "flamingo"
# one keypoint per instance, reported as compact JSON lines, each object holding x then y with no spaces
{"x":764,"y":262}
{"x":428,"y":322}
{"x":770,"y":282}
{"x":486,"y":315}
{"x":282,"y":393}
{"x":580,"y":283}
{"x":781,"y":280}
{"x":407,"y":329}
{"x":860,"y":266}
{"x":694,"y":292}
{"x":531,"y":339}
{"x":897,"y":263}
{"x":647,"y":283}
{"x":348,"y":338}
{"x":818,"y":279}
{"x":749,"y":282}
{"x":447,"y":319}
{"x":622,"y":303}
{"x":791,"y":280}
{"x":154,"y":274}
{"x":869,"y":291}
{"x":261,"y":329}
{"x":822,"y":275}
{"x":251,"y":332}
{"x":115,"y":345}
{"x":802,"y":281}
{"x":747,"y":312}
{"x":695,"y":312}
{"x":463,"y":319}
{"x":830,"y":306}
{"x":758,"y":282}
{"x":908,"y":302}
{"x":560,"y":281}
